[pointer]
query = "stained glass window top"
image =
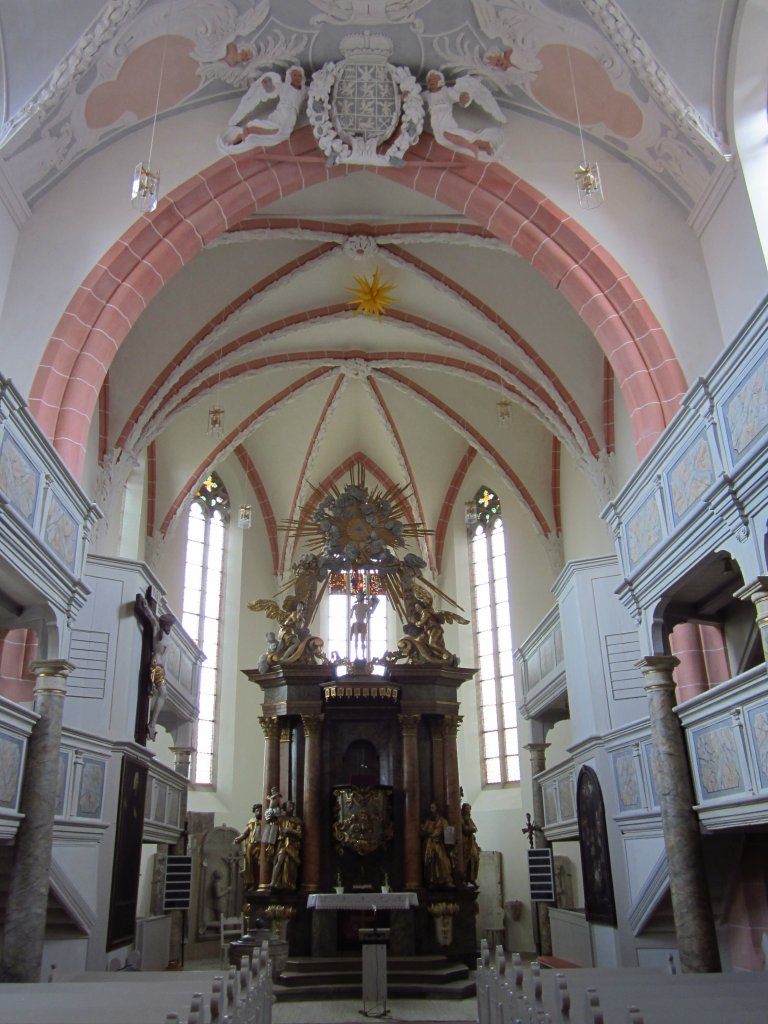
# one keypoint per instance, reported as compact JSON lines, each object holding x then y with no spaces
{"x":357,"y":582}
{"x":487,"y":505}
{"x":212,"y":494}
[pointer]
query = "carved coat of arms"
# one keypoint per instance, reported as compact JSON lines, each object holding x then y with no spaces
{"x":364,"y":110}
{"x":362,"y":820}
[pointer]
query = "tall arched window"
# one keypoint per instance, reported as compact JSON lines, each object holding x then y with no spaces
{"x":493,"y":641}
{"x":345,"y":590}
{"x":207,"y":522}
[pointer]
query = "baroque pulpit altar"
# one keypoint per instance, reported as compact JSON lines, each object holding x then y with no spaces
{"x":361,"y":781}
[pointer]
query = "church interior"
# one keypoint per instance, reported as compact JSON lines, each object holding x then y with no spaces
{"x":263,"y":267}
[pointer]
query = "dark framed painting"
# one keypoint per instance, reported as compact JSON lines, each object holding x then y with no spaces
{"x":599,"y":904}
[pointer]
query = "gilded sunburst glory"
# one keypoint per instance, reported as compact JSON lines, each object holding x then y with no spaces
{"x":372,"y":297}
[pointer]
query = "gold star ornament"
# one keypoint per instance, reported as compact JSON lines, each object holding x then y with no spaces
{"x":372,"y":297}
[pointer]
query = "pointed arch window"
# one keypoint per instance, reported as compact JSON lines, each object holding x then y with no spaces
{"x":207,"y":522}
{"x":497,"y":712}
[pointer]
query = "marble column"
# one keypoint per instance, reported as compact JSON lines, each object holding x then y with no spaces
{"x":757,"y":593}
{"x":271,"y":728}
{"x":311,"y":803}
{"x":182,"y":758}
{"x":27,"y":903}
{"x":691,"y":906}
{"x":436,"y":733}
{"x":286,"y":784}
{"x":451,"y":725}
{"x":409,"y":728}
{"x":537,"y":753}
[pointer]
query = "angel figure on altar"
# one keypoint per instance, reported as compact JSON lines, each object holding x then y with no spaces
{"x":441,"y":98}
{"x":295,"y":644}
{"x":427,"y":633}
{"x":272,"y":126}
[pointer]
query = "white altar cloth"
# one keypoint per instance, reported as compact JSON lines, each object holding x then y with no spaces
{"x":362,"y":901}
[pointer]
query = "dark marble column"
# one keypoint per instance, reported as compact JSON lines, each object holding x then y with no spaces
{"x":286,"y":784}
{"x":409,"y":728}
{"x":311,"y":804}
{"x":27,"y":903}
{"x":757,"y":592}
{"x":691,"y":906}
{"x":451,"y":725}
{"x":538,"y":757}
{"x":271,"y":729}
{"x":436,"y":733}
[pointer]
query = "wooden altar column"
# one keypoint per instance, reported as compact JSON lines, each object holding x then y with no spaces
{"x":271,"y":729}
{"x":311,"y":803}
{"x":409,"y":728}
{"x":451,"y":725}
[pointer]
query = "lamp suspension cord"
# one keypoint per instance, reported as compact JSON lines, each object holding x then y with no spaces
{"x":157,"y":103}
{"x":576,"y":104}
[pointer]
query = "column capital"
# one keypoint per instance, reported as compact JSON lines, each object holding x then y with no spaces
{"x":182,"y":759}
{"x":269,"y":726}
{"x":52,"y":676}
{"x":451,"y":724}
{"x":312,"y":724}
{"x":755,"y":591}
{"x":537,"y":748}
{"x":658,"y":669}
{"x":52,"y":667}
{"x":409,"y":724}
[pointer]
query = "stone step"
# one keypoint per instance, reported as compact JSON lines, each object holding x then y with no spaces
{"x":417,"y":977}
{"x":353,"y":962}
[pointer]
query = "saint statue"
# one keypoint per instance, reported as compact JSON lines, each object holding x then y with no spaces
{"x":251,"y":838}
{"x":271,"y":829}
{"x":219,"y":895}
{"x":470,"y":848}
{"x":438,"y":869}
{"x":285,"y":874}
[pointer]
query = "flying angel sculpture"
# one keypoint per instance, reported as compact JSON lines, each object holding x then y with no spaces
{"x":273,"y":126}
{"x":482,"y":143}
{"x":294,"y":644}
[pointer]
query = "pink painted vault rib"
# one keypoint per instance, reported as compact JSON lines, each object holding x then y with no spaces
{"x":265,"y":505}
{"x":92,"y":328}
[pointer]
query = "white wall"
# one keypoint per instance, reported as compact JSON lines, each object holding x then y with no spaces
{"x":54,"y":254}
{"x":748,"y":119}
{"x":640,"y":226}
{"x":9,"y":234}
{"x":584,"y":534}
{"x":735,"y":260}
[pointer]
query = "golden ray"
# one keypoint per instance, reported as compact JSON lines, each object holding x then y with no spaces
{"x":372,"y":297}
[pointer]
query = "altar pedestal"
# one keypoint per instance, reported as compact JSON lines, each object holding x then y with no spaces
{"x":374,"y":942}
{"x":394,"y":904}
